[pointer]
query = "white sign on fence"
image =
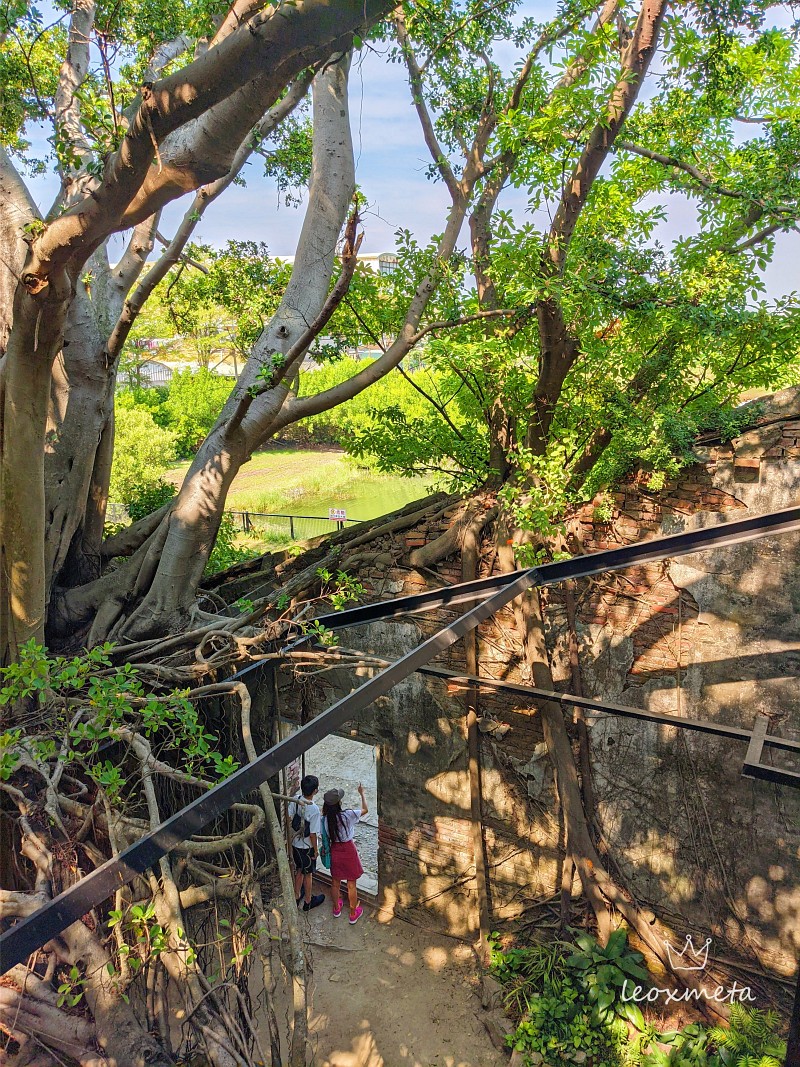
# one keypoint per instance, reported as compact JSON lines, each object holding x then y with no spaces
{"x":337,"y":514}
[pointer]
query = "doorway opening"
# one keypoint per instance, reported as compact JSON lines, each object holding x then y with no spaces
{"x":342,"y":762}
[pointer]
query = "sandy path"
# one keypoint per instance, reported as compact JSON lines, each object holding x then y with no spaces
{"x":392,"y":995}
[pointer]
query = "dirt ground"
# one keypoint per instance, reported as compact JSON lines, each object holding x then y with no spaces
{"x":387,"y":994}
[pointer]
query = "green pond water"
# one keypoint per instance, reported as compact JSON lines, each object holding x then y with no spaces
{"x":368,"y":498}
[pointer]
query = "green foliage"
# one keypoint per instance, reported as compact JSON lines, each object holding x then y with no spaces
{"x":148,"y":498}
{"x":566,"y":998}
{"x":667,"y":338}
{"x":142,"y":452}
{"x":226,"y":552}
{"x":571,"y":1003}
{"x":340,"y":589}
{"x":751,"y":1040}
{"x":85,"y":702}
{"x":214,"y":316}
{"x":289,"y":158}
{"x":194,"y":401}
{"x":70,"y":991}
{"x":29,"y":65}
{"x":397,"y":424}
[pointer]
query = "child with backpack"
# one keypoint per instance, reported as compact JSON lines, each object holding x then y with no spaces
{"x":305,"y":819}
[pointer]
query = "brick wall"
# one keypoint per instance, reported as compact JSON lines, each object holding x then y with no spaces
{"x":709,"y":636}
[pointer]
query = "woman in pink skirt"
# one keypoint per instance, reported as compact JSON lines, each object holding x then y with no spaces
{"x":345,"y":861}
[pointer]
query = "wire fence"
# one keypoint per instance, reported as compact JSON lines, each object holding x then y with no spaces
{"x":263,"y":524}
{"x":291,"y":527}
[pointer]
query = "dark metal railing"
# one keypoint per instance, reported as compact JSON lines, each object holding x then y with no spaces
{"x":285,"y":527}
{"x":292,"y":527}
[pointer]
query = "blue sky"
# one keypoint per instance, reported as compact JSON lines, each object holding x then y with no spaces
{"x":391,"y":161}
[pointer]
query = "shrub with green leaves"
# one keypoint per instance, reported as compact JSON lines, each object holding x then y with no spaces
{"x":750,"y":1040}
{"x":566,"y":998}
{"x":83,"y":703}
{"x":142,"y":452}
{"x":226,"y":552}
{"x":148,"y":498}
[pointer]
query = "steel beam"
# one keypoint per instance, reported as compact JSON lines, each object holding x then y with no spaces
{"x":703,"y":726}
{"x":31,"y":933}
{"x":722,"y":535}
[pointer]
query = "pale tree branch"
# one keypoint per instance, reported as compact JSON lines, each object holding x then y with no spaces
{"x":165,"y":54}
{"x":465,"y":320}
{"x":135,"y":255}
{"x":635,"y":65}
{"x":300,"y":346}
{"x":756,"y":120}
{"x":238,"y":13}
{"x":300,"y":36}
{"x":165,"y":242}
{"x":204,"y":197}
{"x":73,"y":73}
{"x":295,"y":408}
{"x":17,"y":210}
{"x":418,"y":96}
{"x":678,"y":164}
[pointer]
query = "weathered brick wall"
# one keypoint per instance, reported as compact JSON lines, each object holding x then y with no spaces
{"x":714,"y":635}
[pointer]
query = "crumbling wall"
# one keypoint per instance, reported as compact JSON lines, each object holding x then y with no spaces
{"x":713,"y":635}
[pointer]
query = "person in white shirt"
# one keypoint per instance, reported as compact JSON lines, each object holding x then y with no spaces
{"x":305,"y":820}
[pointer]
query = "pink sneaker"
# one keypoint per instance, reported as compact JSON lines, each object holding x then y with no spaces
{"x":337,"y":909}
{"x":356,"y":915}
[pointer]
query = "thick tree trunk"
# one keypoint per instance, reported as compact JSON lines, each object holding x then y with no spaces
{"x":32,"y":347}
{"x":164,"y":586}
{"x":81,"y":400}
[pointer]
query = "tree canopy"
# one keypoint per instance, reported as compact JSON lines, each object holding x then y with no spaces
{"x":568,"y":341}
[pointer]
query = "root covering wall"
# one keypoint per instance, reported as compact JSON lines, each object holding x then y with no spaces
{"x":713,"y":636}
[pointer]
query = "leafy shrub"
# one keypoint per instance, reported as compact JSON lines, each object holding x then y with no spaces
{"x":566,"y":999}
{"x":572,"y":1003}
{"x":142,"y":452}
{"x":148,"y":498}
{"x":226,"y":551}
{"x":751,"y":1040}
{"x":194,"y":401}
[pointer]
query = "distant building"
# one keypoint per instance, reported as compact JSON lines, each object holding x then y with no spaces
{"x":149,"y":374}
{"x":154,"y":374}
{"x":380,"y":262}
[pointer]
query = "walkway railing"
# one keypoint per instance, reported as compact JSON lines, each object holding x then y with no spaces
{"x":267,"y":524}
{"x":294,"y":527}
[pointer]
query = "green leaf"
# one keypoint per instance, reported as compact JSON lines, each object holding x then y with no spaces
{"x":616,"y":945}
{"x":633,"y":1013}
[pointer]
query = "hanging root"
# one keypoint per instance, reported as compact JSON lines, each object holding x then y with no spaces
{"x":605,"y":897}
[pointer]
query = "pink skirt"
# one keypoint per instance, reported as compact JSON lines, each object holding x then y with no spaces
{"x":345,"y":862}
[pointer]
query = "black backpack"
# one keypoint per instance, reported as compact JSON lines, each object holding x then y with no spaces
{"x":298,"y":821}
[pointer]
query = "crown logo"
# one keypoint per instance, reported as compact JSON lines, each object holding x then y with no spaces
{"x":688,"y":958}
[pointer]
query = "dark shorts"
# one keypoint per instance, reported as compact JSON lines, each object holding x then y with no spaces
{"x":304,"y":862}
